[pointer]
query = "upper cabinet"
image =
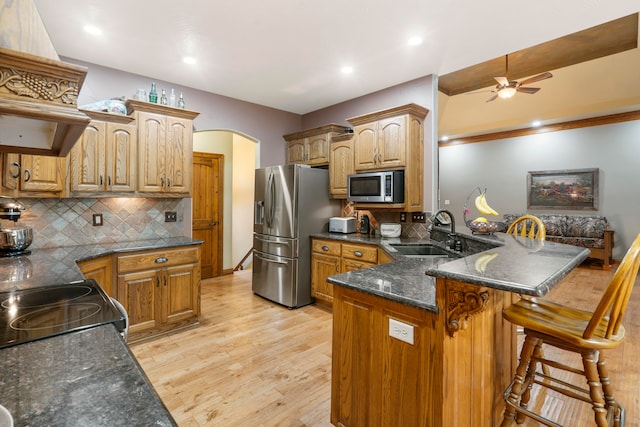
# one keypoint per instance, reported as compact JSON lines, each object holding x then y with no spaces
{"x":393,"y":139}
{"x":104,"y":158}
{"x":27,"y":175}
{"x":165,"y":148}
{"x":311,"y":146}
{"x":340,"y":164}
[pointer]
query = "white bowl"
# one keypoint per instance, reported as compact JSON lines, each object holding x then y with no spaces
{"x":6,"y":420}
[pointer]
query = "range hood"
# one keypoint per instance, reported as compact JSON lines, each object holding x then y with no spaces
{"x":38,"y":93}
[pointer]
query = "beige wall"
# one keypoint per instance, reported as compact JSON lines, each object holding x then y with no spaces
{"x":241,"y":154}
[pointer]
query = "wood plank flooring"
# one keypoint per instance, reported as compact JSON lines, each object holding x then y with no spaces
{"x":253,"y":363}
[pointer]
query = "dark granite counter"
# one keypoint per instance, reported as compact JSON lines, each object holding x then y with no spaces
{"x":86,"y":378}
{"x":58,"y":265}
{"x":503,"y":262}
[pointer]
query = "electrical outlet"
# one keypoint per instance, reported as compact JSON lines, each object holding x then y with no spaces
{"x":419,"y":217}
{"x":97,"y":219}
{"x":401,"y":331}
{"x":403,"y":217}
{"x":170,"y":216}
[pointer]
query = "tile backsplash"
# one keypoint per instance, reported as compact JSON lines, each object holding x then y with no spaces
{"x":409,"y":229}
{"x":69,"y":222}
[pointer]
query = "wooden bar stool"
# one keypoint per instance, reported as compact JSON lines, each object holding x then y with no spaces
{"x":528,"y":226}
{"x":583,"y":332}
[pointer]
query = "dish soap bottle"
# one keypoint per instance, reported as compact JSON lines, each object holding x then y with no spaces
{"x":153,"y":95}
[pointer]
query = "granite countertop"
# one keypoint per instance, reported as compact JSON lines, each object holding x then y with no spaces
{"x":85,"y":378}
{"x":44,"y":267}
{"x":504,"y":262}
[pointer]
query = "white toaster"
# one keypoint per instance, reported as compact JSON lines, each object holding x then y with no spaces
{"x":342,"y":225}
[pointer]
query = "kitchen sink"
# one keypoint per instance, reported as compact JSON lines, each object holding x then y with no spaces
{"x":420,"y":250}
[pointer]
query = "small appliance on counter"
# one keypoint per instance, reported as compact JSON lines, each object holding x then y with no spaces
{"x":14,"y":238}
{"x":390,"y":229}
{"x":343,"y":225}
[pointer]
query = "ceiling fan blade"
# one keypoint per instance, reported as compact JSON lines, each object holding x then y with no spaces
{"x":529,"y":90}
{"x":503,"y":81}
{"x":480,"y":91}
{"x":492,"y":98}
{"x":537,"y":78}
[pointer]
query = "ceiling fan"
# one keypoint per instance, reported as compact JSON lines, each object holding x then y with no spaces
{"x":506,"y":88}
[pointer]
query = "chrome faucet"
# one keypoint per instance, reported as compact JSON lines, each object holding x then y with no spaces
{"x":454,"y":243}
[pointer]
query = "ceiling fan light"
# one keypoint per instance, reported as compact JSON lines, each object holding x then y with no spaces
{"x":507,"y":92}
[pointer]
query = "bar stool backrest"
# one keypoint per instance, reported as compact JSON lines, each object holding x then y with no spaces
{"x":528,"y":226}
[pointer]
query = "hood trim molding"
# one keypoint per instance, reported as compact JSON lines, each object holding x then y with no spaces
{"x":38,"y":104}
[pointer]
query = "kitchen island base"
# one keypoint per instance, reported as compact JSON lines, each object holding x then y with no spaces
{"x":454,"y":373}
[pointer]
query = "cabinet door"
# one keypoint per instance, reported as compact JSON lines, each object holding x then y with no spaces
{"x":297,"y":151}
{"x":350,"y":265}
{"x":323,"y":266}
{"x":138,"y":293}
{"x":318,"y":150}
{"x":88,"y":159}
{"x":180,"y":293}
{"x":42,"y":173}
{"x":121,"y":141}
{"x":152,"y":152}
{"x":100,"y":269}
{"x":392,"y":142}
{"x":365,"y":143}
{"x":340,"y":167}
{"x":11,"y":172}
{"x":179,"y":155}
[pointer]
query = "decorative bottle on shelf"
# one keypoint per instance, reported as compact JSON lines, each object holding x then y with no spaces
{"x":153,"y":95}
{"x":163,"y":97}
{"x":181,"y":101}
{"x":172,"y":98}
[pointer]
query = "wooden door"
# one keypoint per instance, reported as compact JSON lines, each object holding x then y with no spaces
{"x":207,"y":210}
{"x":180,"y":153}
{"x":121,"y":141}
{"x":88,"y":159}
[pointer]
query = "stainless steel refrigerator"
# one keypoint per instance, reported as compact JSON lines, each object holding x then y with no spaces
{"x":291,"y":203}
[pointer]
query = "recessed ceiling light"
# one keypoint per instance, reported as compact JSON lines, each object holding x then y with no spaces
{"x":91,"y":29}
{"x":347,"y":69}
{"x":445,"y":138}
{"x":415,"y":41}
{"x":536,"y":123}
{"x":189,"y":60}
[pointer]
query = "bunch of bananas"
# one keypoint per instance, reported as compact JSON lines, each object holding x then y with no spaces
{"x":482,"y":206}
{"x":483,"y":260}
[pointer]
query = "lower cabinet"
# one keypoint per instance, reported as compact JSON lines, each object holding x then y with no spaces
{"x":331,"y":257}
{"x":101,"y":270}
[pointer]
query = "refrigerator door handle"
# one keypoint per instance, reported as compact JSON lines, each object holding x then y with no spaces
{"x":271,"y":198}
{"x":255,"y":254}
{"x":258,"y":212}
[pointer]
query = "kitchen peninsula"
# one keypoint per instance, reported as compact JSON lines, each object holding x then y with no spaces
{"x":81,"y":377}
{"x":416,"y":349}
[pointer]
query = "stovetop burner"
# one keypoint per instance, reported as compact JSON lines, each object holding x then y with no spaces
{"x":7,"y":254}
{"x":31,"y":314}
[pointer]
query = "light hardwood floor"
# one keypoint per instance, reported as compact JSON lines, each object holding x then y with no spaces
{"x":253,"y":363}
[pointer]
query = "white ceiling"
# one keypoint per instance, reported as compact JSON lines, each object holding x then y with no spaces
{"x":287,"y":54}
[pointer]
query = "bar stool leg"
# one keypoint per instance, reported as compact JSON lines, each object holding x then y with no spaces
{"x":538,"y":352}
{"x":610,"y":401}
{"x":519,"y":381}
{"x":589,"y":361}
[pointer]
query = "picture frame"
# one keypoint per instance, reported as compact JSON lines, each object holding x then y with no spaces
{"x":569,"y":189}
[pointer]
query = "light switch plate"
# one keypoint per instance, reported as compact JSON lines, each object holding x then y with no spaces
{"x":401,"y":331}
{"x":97,"y":219}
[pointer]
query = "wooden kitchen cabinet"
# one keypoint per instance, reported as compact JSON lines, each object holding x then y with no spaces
{"x":26,"y":175}
{"x":393,"y":139}
{"x":340,"y":164}
{"x":331,"y":257}
{"x":104,"y":158}
{"x":165,"y":149}
{"x":101,"y":270}
{"x":160,"y":289}
{"x":311,"y":146}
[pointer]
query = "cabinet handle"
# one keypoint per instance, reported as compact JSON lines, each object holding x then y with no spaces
{"x":100,"y":181}
{"x":337,"y":268}
{"x":165,"y":281}
{"x":357,"y":253}
{"x":162,"y":181}
{"x":168,"y":182}
{"x":161,"y":260}
{"x":17,"y":174}
{"x":109,"y":180}
{"x":157,"y":282}
{"x":27,"y":175}
{"x":325,"y":248}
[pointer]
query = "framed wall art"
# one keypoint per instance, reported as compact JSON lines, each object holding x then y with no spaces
{"x":571,"y":189}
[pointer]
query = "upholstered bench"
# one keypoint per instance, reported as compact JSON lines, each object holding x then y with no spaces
{"x":591,"y":232}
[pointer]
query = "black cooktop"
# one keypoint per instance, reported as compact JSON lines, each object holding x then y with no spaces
{"x":31,"y":314}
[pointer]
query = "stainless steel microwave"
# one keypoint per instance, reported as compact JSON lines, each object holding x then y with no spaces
{"x":376,"y":187}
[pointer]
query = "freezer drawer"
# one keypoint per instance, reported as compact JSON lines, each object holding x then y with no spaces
{"x":278,"y":246}
{"x":275,"y":278}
